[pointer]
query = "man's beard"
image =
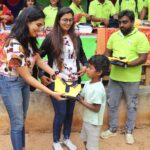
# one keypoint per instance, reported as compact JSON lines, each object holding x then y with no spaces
{"x":126,"y":31}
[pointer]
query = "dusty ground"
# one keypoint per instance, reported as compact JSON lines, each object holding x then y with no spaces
{"x":43,"y":141}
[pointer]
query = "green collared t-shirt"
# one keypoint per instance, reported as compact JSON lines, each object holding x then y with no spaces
{"x":101,"y":10}
{"x":130,"y":47}
{"x":147,"y":4}
{"x":77,"y":10}
{"x":50,"y":15}
{"x":130,"y":5}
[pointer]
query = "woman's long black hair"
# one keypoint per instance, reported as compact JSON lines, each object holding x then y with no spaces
{"x":20,"y":29}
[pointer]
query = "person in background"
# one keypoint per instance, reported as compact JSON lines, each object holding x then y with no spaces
{"x":145,"y":10}
{"x":50,"y":12}
{"x":79,"y":14}
{"x":93,"y":98}
{"x":131,"y":44}
{"x":28,"y":3}
{"x":20,"y":53}
{"x":100,"y":12}
{"x":6,"y":16}
{"x":133,"y":5}
{"x":65,"y":52}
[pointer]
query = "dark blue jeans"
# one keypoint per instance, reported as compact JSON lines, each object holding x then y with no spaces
{"x":63,"y":117}
{"x":15,"y":94}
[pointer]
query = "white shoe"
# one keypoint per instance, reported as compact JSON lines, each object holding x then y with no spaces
{"x":69,"y":144}
{"x":57,"y":146}
{"x":107,"y":134}
{"x":129,"y":138}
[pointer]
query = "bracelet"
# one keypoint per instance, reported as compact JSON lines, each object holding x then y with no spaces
{"x":53,"y":76}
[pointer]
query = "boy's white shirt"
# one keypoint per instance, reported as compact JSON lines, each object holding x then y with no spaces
{"x":94,"y":93}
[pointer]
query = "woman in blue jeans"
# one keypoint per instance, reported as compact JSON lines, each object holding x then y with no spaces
{"x":20,"y":53}
{"x":65,"y":53}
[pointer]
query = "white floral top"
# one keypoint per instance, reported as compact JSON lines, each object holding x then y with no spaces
{"x":14,"y":56}
{"x":68,"y":56}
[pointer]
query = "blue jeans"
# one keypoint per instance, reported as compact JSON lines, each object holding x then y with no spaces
{"x":63,"y":117}
{"x":115,"y":90}
{"x":15,"y":94}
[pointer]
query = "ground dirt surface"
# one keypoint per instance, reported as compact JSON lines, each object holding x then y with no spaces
{"x":43,"y":141}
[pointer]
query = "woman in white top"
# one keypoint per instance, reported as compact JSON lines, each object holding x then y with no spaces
{"x":20,"y":53}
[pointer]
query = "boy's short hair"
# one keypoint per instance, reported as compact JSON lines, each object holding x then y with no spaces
{"x":101,"y":63}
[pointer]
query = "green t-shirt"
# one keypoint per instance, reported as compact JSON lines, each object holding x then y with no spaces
{"x":94,"y":93}
{"x":84,"y":4}
{"x":77,"y":10}
{"x":99,"y":10}
{"x":131,"y":5}
{"x":50,"y":15}
{"x":130,"y":47}
{"x":147,"y":4}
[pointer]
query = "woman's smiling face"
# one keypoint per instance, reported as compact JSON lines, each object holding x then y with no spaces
{"x":35,"y":26}
{"x":66,"y":22}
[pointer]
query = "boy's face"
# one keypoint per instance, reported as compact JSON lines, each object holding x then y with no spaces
{"x":92,"y":73}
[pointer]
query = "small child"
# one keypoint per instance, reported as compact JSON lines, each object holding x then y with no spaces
{"x":93,"y":97}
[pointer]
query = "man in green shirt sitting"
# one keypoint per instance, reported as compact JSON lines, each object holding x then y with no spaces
{"x":133,"y":5}
{"x":80,"y":15}
{"x":132,"y":45}
{"x":145,"y":10}
{"x":100,"y":11}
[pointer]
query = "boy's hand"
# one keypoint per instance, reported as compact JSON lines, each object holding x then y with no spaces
{"x":81,"y":99}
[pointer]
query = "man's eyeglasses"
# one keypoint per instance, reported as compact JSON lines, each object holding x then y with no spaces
{"x":65,"y":20}
{"x":123,"y":22}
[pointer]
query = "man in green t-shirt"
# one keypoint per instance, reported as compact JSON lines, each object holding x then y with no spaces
{"x":131,"y":45}
{"x":145,"y":10}
{"x":133,"y":5}
{"x":80,"y":15}
{"x":100,"y":11}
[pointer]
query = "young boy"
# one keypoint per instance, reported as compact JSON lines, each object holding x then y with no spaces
{"x":93,"y":97}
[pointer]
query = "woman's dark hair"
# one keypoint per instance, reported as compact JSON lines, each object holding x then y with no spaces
{"x":25,"y":3}
{"x":57,"y":35}
{"x":20,"y":29}
{"x":101,"y":63}
{"x":127,"y":13}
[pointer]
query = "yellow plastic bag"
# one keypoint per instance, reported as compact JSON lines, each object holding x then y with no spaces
{"x":69,"y":89}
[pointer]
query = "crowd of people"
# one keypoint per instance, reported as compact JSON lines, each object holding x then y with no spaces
{"x":67,"y":61}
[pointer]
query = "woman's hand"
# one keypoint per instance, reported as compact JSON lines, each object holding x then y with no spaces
{"x":82,"y":71}
{"x":45,"y":80}
{"x":58,"y":96}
